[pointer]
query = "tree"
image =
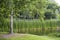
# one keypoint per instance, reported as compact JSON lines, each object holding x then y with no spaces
{"x":50,"y":15}
{"x":11,"y":17}
{"x":31,"y":5}
{"x":50,"y":10}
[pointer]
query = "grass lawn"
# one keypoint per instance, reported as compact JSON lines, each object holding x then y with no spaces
{"x":25,"y":37}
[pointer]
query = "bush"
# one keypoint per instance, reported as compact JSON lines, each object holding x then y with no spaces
{"x":54,"y":34}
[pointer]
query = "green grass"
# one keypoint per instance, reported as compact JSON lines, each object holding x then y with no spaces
{"x":25,"y":25}
{"x":35,"y":26}
{"x":31,"y":37}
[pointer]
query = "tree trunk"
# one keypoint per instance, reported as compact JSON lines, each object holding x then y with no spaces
{"x":11,"y":22}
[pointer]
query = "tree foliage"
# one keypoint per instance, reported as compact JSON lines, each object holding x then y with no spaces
{"x":29,"y":8}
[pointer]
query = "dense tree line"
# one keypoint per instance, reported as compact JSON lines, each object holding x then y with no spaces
{"x":29,"y":9}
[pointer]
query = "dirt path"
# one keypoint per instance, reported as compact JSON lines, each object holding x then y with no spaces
{"x":12,"y":35}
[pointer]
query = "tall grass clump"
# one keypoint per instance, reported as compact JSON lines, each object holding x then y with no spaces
{"x":34,"y":26}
